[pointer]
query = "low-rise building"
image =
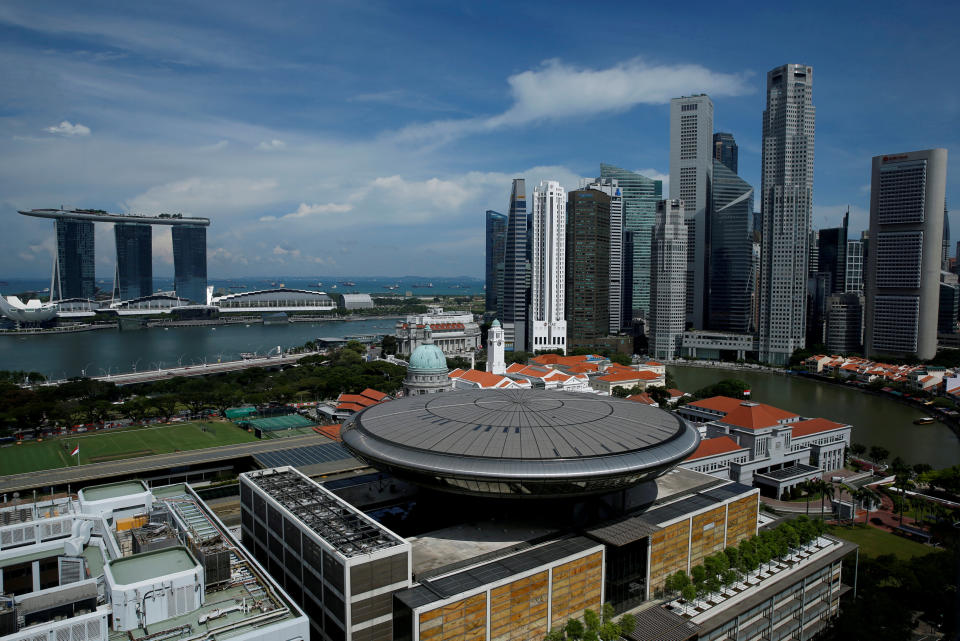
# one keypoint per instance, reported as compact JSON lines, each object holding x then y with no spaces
{"x":761,"y":445}
{"x":126,"y":562}
{"x":455,"y":333}
{"x":713,"y":345}
{"x":475,"y":379}
{"x":625,"y":377}
{"x":546,"y":378}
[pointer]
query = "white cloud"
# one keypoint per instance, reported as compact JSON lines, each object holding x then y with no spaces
{"x":205,"y":196}
{"x":271,"y":145}
{"x":557,"y":90}
{"x":305,"y":210}
{"x":66,"y":128}
{"x":217,"y":146}
{"x":283,"y":251}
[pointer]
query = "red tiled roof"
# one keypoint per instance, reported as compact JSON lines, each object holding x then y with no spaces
{"x":812,"y":426}
{"x":756,"y":416}
{"x":717,"y":403}
{"x":484,"y":379}
{"x":556,"y":359}
{"x":356,"y":398}
{"x":353,"y":407}
{"x":456,"y":373}
{"x":446,"y":327}
{"x":654,"y":364}
{"x":714,"y":446}
{"x":374,"y":394}
{"x":583,"y":368}
{"x":630,"y":375}
{"x":642,"y":397}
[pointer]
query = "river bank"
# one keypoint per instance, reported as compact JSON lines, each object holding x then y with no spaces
{"x":875,"y":419}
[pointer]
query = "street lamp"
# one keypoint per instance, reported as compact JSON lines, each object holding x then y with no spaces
{"x":135,"y":365}
{"x":83,"y":370}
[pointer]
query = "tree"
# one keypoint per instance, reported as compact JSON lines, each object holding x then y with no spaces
{"x":659,"y":394}
{"x":878,"y":454}
{"x":620,"y":392}
{"x":731,"y":387}
{"x":858,"y":449}
{"x":555,"y":634}
{"x":166,"y":406}
{"x":389,"y":344}
{"x":574,"y":629}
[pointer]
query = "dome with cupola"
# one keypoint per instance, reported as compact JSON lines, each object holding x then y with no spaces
{"x":427,"y":371}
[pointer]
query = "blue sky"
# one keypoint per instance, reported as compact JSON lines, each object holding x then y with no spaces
{"x":368,"y":138}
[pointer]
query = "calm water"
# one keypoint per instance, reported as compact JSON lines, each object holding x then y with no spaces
{"x":875,"y":420}
{"x":65,"y":355}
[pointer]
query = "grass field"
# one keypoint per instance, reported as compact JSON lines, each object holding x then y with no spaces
{"x":118,"y":444}
{"x":874,"y":542}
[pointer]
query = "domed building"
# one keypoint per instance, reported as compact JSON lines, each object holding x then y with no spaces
{"x":427,"y":372}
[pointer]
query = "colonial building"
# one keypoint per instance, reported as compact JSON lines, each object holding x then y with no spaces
{"x":455,"y":333}
{"x":761,"y":445}
{"x":427,"y":372}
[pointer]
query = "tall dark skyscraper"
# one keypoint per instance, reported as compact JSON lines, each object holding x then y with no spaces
{"x":73,"y":275}
{"x":725,"y":150}
{"x":134,"y":277}
{"x":496,"y":251}
{"x":832,"y":254}
{"x":190,"y":262}
{"x":731,"y":279}
{"x":640,"y":197}
{"x":516,"y":269}
{"x":588,"y":263}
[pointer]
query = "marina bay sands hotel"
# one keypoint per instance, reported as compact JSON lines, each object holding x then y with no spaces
{"x":73,"y":263}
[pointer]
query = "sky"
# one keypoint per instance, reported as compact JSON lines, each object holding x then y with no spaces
{"x":368,"y":138}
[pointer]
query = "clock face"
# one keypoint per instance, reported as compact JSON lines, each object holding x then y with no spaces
{"x":499,"y":343}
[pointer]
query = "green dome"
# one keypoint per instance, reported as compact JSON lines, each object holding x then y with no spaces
{"x":428,"y":357}
{"x":495,"y":323}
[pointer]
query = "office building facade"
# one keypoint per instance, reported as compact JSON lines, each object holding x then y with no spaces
{"x":548,"y":325}
{"x":853,"y":270}
{"x":691,"y":171}
{"x":618,"y":256}
{"x":832,"y":253}
{"x":134,"y":271}
{"x":668,"y":291}
{"x":190,"y":262}
{"x":73,"y":267}
{"x":516,"y":269}
{"x":496,"y":224}
{"x":588,"y":259}
{"x":786,"y":203}
{"x":907,"y":193}
{"x":640,"y":197}
{"x":949,"y":306}
{"x":845,"y":323}
{"x":731,"y":278}
{"x":340,"y":565}
{"x":725,"y":150}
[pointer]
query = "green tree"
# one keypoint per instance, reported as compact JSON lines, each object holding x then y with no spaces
{"x":878,"y":454}
{"x":620,"y":392}
{"x":166,"y":406}
{"x":574,"y":629}
{"x":731,"y":387}
{"x":659,"y":394}
{"x":389,"y":344}
{"x":858,"y":449}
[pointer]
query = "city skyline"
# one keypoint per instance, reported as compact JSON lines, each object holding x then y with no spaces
{"x":294,"y":149}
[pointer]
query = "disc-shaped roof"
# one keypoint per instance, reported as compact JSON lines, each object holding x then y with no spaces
{"x":509,"y":435}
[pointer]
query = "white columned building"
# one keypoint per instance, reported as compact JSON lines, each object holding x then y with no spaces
{"x":548,"y":326}
{"x":786,"y":200}
{"x":691,"y":172}
{"x":668,"y":280}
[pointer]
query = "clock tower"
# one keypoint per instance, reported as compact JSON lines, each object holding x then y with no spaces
{"x":495,"y":362}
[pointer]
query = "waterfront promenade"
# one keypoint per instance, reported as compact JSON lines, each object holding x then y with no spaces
{"x":205,"y":369}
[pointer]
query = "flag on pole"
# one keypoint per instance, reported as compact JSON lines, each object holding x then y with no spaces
{"x":75,"y":451}
{"x":746,"y":392}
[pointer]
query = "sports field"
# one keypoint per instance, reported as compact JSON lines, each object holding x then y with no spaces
{"x":874,"y":541}
{"x":118,"y":444}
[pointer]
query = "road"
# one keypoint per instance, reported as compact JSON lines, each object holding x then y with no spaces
{"x":134,"y":466}
{"x":147,"y":376}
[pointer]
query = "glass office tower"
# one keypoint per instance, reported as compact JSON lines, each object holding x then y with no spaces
{"x":496,"y":250}
{"x":588,"y":265}
{"x":516,"y":270}
{"x":134,"y":260}
{"x":725,"y":150}
{"x":640,"y":197}
{"x":73,"y":275}
{"x":190,"y":262}
{"x":731,"y":279}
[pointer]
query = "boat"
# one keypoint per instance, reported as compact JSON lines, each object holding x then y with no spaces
{"x":926,"y":420}
{"x":348,"y":283}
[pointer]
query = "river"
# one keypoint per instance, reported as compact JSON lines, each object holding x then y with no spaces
{"x":876,"y":420}
{"x":110,"y":350}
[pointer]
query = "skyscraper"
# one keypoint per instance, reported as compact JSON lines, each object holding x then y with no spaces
{"x":496,"y":250}
{"x":610,"y":187}
{"x":73,"y":275}
{"x":640,"y":197}
{"x":516,"y":270}
{"x":907,"y":192}
{"x":832,"y":253}
{"x":945,"y":260}
{"x":785,"y":201}
{"x":190,"y":262}
{"x":725,"y":150}
{"x":691,"y":170}
{"x":548,"y":325}
{"x":134,"y":274}
{"x":853,"y":271}
{"x":588,"y":260}
{"x":669,"y":268}
{"x":731,"y":252}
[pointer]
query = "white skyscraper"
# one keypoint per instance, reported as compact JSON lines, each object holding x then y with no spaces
{"x":907,"y":192}
{"x":610,"y":187}
{"x":691,"y":172}
{"x":548,"y":325}
{"x":786,"y":198}
{"x":668,"y":279}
